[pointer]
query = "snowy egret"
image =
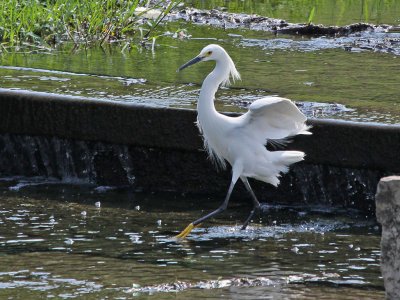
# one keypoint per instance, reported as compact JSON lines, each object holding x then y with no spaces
{"x":241,"y":140}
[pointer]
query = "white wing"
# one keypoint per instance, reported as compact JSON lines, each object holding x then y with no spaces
{"x":274,"y":118}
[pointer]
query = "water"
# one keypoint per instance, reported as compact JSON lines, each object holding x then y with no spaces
{"x":62,"y":241}
{"x":315,"y":71}
{"x":84,"y":162}
{"x":66,"y":160}
{"x":328,"y":12}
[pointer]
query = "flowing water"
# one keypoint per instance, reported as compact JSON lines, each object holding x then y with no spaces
{"x":352,"y":78}
{"x":327,"y":12}
{"x":86,"y":242}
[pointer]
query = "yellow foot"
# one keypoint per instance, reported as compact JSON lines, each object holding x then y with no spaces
{"x":186,"y":231}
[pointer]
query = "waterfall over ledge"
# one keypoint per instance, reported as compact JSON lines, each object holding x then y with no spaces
{"x":81,"y":140}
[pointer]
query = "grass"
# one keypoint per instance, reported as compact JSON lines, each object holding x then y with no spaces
{"x":311,"y":15}
{"x":43,"y":24}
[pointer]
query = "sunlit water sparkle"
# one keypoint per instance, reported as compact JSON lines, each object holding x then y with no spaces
{"x":55,"y":241}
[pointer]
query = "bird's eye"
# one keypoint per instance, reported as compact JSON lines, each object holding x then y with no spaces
{"x":209,"y":53}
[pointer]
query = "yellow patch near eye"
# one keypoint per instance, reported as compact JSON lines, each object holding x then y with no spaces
{"x":208,"y":53}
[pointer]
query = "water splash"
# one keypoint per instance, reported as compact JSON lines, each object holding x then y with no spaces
{"x":255,"y":232}
{"x":209,"y":284}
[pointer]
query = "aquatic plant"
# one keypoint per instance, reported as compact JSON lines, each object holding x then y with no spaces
{"x":311,"y":15}
{"x":42,"y":24}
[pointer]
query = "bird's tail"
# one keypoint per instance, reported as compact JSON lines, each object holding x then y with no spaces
{"x":286,"y":158}
{"x":291,"y":157}
{"x":305,"y":130}
{"x":281,"y":162}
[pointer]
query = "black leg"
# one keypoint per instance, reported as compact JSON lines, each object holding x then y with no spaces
{"x":257,"y":205}
{"x":220,"y":209}
{"x":248,"y":219}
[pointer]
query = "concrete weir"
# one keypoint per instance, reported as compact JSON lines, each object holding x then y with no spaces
{"x":160,"y":149}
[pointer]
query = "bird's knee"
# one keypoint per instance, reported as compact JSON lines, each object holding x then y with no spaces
{"x":223,"y":207}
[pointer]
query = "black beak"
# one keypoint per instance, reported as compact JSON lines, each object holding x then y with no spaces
{"x":190,"y":62}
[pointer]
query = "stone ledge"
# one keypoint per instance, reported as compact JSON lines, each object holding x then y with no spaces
{"x":160,"y":149}
{"x":334,"y":143}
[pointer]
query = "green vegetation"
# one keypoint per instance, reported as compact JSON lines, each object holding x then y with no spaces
{"x":45,"y":23}
{"x":311,"y":15}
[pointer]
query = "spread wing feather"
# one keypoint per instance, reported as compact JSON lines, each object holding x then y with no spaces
{"x":274,"y":118}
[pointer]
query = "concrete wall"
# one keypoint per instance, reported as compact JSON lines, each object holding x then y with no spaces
{"x":343,"y":165}
{"x":387,"y":208}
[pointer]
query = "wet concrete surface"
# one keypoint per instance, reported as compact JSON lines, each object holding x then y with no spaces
{"x":336,"y":143}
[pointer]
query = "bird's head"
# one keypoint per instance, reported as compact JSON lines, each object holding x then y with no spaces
{"x":218,"y":54}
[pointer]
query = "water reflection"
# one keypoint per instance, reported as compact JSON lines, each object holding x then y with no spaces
{"x":57,"y":241}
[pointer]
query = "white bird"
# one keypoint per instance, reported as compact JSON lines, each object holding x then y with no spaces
{"x":241,"y":140}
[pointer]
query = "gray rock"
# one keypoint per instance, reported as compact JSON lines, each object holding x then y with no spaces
{"x":388,"y":214}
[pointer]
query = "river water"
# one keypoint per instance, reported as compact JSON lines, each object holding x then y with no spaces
{"x":86,"y":242}
{"x":352,"y":78}
{"x":328,"y":12}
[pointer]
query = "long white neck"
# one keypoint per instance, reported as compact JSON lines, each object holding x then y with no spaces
{"x":205,"y":105}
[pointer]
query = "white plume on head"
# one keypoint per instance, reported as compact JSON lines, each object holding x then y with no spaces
{"x":233,"y":73}
{"x":217,"y":53}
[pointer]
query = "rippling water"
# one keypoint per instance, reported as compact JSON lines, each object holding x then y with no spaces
{"x":75,"y":241}
{"x":352,"y":78}
{"x":328,"y":12}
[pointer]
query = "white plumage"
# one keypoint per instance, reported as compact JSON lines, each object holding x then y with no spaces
{"x":241,"y":140}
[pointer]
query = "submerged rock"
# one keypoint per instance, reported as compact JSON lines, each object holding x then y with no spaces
{"x":255,"y":22}
{"x":354,"y":37}
{"x":312,"y":29}
{"x":227,"y":20}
